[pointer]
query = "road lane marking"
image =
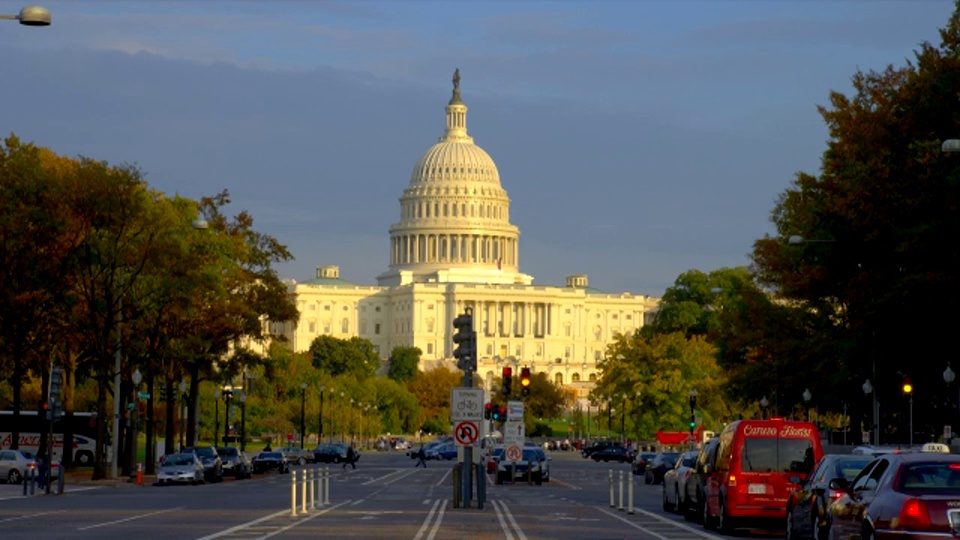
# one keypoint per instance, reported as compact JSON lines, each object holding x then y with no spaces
{"x":503,"y":523}
{"x":384,"y":477}
{"x":427,"y":520}
{"x":443,"y":481}
{"x":300,"y":522}
{"x":27,"y":516}
{"x":436,"y":522}
{"x":108,"y":523}
{"x":513,"y":522}
{"x":252,"y":525}
{"x":697,"y":532}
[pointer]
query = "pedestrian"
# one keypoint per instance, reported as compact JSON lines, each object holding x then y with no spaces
{"x":421,"y":458}
{"x":41,"y":472}
{"x":351,"y":458}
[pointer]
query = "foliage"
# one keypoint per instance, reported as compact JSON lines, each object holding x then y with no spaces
{"x":432,"y":390}
{"x":337,"y":356}
{"x":404,"y":362}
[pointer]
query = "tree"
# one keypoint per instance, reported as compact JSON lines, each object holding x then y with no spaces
{"x":546,"y":400}
{"x":340,"y":356}
{"x":879,"y":224}
{"x":433,"y":390}
{"x":404,"y":363}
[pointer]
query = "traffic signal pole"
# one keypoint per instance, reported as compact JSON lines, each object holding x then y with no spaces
{"x":466,"y":355}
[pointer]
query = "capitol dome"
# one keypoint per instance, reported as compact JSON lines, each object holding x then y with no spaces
{"x":454,"y":215}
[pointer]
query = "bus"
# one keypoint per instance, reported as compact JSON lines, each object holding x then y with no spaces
{"x":31,"y":426}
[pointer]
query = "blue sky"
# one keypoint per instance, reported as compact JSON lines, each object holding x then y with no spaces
{"x":637,"y":139}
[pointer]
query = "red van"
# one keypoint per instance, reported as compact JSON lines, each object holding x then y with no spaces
{"x":758,"y":464}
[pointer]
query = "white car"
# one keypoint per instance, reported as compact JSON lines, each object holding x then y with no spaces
{"x":675,"y":479}
{"x":176,"y":468}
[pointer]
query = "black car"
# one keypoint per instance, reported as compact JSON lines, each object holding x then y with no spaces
{"x":212,"y":465}
{"x":269,"y":461}
{"x":234,"y":462}
{"x":330,"y":453}
{"x":694,"y":486}
{"x":595,"y":446}
{"x":614,"y":452}
{"x":807,"y":507}
{"x":662,"y":462}
{"x":641,"y":460}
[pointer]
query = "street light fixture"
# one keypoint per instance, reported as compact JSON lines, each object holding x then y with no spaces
{"x":807,"y":396}
{"x":764,"y":403}
{"x":31,"y":16}
{"x":320,"y":417}
{"x":868,"y":391}
{"x":908,"y":390}
{"x":243,"y":421}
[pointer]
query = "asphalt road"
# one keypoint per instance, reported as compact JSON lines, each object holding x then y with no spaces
{"x":385,"y":497}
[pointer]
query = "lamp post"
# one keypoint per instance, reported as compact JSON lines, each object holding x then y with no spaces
{"x":137,"y":378}
{"x":227,"y":396}
{"x":868,"y":391}
{"x":764,"y":403}
{"x":31,"y":16}
{"x":908,"y":390}
{"x":243,"y":421}
{"x":320,"y":417}
{"x":623,"y":408}
{"x":342,"y":425}
{"x":183,"y":411}
{"x":303,"y":408}
{"x":807,"y":396}
{"x":216,"y":414}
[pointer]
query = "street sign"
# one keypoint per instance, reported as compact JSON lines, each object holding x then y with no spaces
{"x":466,"y":433}
{"x":514,"y":453}
{"x":515,"y":411}
{"x":514,"y":433}
{"x":466,"y":404}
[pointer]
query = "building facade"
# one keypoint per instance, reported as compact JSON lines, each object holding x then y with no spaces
{"x":453,"y":248}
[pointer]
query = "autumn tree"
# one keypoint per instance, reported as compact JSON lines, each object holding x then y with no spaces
{"x":432,"y":390}
{"x":404,"y":363}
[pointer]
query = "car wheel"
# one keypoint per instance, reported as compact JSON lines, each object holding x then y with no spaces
{"x":14,"y":477}
{"x":867,"y":534}
{"x":705,"y":516}
{"x":724,"y":522}
{"x":499,"y":479}
{"x":647,"y":479}
{"x":301,"y":461}
{"x":84,"y":458}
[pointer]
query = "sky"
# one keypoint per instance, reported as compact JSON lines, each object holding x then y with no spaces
{"x":637,"y":139}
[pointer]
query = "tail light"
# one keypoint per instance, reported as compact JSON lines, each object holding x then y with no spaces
{"x":732,"y":480}
{"x":914,"y":514}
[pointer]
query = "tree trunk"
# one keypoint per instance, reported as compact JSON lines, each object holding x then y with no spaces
{"x":103,"y":417}
{"x":192,"y":406}
{"x":170,"y":406}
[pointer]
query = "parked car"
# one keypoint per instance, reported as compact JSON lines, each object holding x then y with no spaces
{"x":614,"y":452}
{"x":640,"y":461}
{"x":694,"y":488}
{"x":234,"y":462}
{"x":496,"y":454}
{"x":296,"y":455}
{"x":269,"y":461}
{"x":530,"y":466}
{"x":661,"y":463}
{"x":15,"y":466}
{"x":807,"y":506}
{"x":909,"y":495}
{"x":212,"y":465}
{"x":330,"y":453}
{"x":675,"y":479}
{"x":184,"y":467}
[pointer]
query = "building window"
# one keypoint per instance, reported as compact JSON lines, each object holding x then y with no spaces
{"x":558,"y":379}
{"x":376,"y":329}
{"x":313,"y":328}
{"x":489,"y":348}
{"x":597,"y":333}
{"x":593,"y":377}
{"x":596,"y":355}
{"x":629,"y":317}
{"x":313,"y":307}
{"x":430,"y":326}
{"x":378,"y":309}
{"x":345,"y":326}
{"x":575,"y":377}
{"x":568,"y":311}
{"x":346,"y":308}
{"x":429,"y":348}
{"x":615,"y":316}
{"x":567,"y":330}
{"x":326,"y":328}
{"x":363,"y":327}
{"x":326,"y":308}
{"x":566,"y":352}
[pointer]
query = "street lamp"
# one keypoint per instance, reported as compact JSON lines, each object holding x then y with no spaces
{"x":227,"y":396}
{"x":303,"y":408}
{"x":320,"y":417}
{"x":31,"y":16}
{"x":908,"y":390}
{"x":342,"y":426}
{"x":868,"y":391}
{"x":764,"y":403}
{"x":216,"y":414}
{"x":243,"y":421}
{"x":807,"y":396}
{"x":137,"y":378}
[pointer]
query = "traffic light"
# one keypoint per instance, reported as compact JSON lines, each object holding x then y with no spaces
{"x":163,"y":392}
{"x":525,"y":381}
{"x":56,"y":392}
{"x":907,"y":386}
{"x":494,"y":412}
{"x":507,"y":386}
{"x":466,"y":339}
{"x":488,"y":411}
{"x":503,"y":414}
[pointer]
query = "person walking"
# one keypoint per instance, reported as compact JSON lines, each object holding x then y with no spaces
{"x":421,"y":458}
{"x":351,"y":458}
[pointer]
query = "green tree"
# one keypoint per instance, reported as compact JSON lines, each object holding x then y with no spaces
{"x":433,"y":389}
{"x":404,"y":363}
{"x":339,"y":356}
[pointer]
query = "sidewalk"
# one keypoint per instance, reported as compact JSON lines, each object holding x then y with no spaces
{"x":83,"y":478}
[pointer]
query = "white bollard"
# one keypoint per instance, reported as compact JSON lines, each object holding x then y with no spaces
{"x":293,"y":493}
{"x":303,"y":491}
{"x":326,"y":485}
{"x":630,"y":494}
{"x":314,"y":473}
{"x":621,"y":492}
{"x":610,"y":481}
{"x":312,"y":502}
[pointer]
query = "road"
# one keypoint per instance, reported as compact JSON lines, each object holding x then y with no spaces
{"x":385,"y":497}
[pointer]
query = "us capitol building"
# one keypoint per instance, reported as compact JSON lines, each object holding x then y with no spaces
{"x":453,"y":248}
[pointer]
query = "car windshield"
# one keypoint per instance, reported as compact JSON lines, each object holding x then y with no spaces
{"x":849,"y":467}
{"x":530,"y":455}
{"x":497,"y":452}
{"x":689,"y":459}
{"x":228,"y":452}
{"x":271,"y":455}
{"x":204,"y":452}
{"x":941,"y":477}
{"x":178,"y":459}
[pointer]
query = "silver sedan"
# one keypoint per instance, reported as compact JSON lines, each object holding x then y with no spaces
{"x":177,"y":468}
